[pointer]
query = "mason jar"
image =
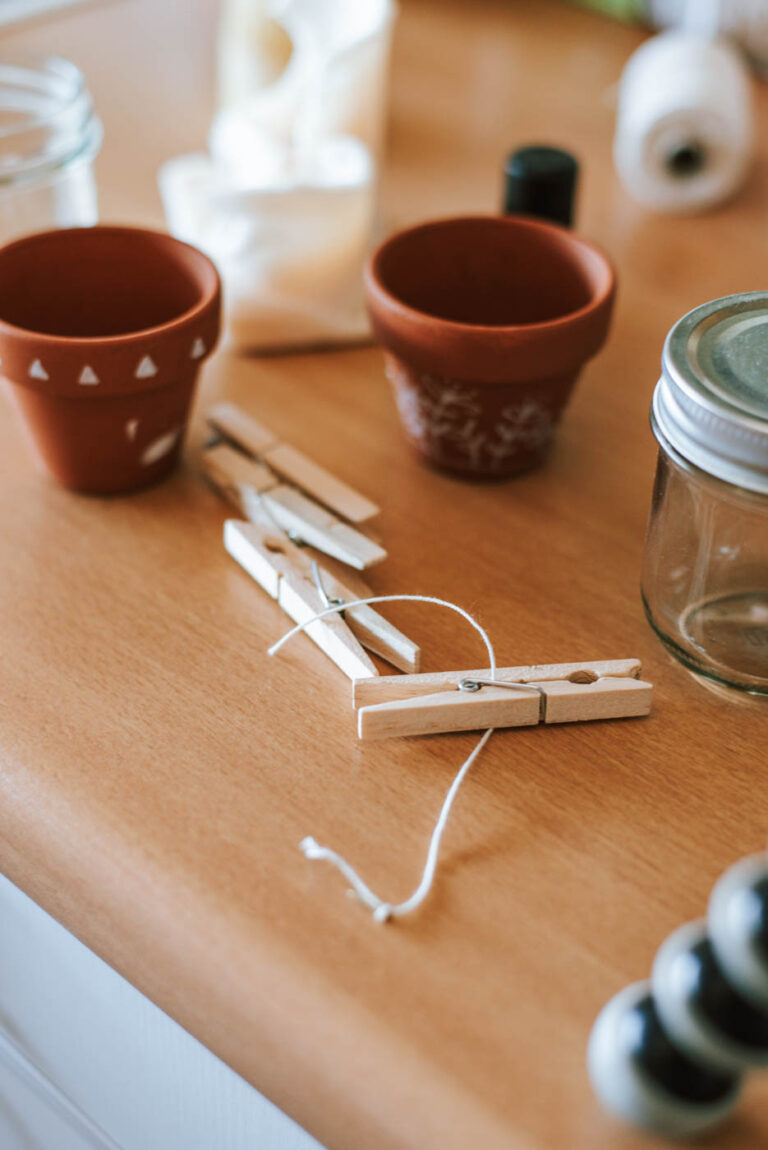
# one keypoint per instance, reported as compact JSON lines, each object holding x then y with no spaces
{"x":705,"y":571}
{"x":49,"y":136}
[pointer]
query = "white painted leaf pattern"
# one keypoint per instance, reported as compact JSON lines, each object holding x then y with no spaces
{"x":445,"y":418}
{"x":160,"y":447}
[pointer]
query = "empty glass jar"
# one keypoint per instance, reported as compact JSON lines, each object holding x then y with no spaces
{"x":705,"y":576}
{"x":49,"y":136}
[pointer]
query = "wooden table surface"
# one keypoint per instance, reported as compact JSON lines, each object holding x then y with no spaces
{"x":159,"y":771}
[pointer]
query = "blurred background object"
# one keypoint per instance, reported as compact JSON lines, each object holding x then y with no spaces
{"x":49,"y":136}
{"x":291,"y":251}
{"x":284,"y":200}
{"x":308,"y":68}
{"x":541,"y":181}
{"x":746,"y":21}
{"x":684,"y":133}
{"x":16,"y":11}
{"x":621,"y":9}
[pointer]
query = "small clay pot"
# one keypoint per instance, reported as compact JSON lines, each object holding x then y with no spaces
{"x":102,"y":334}
{"x":486,"y":322}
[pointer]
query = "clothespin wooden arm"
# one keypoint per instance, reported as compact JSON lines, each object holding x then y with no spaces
{"x":262,"y":554}
{"x":375,"y":632}
{"x":236,"y":425}
{"x":448,"y":711}
{"x":251,"y":487}
{"x":606,"y":698}
{"x":391,"y":687}
{"x":300,"y":516}
{"x":290,"y":464}
{"x":519,"y":696}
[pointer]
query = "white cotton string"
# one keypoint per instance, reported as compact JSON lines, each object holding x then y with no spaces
{"x":684,"y":125}
{"x":391,"y":599}
{"x":384,"y":911}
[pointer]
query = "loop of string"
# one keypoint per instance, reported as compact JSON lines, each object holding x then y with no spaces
{"x":384,"y":911}
{"x":326,"y":599}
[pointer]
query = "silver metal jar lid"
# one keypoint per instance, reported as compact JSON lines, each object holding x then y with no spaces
{"x":711,"y":403}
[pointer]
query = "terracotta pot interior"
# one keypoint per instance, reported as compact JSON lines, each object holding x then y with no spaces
{"x":492,"y":272}
{"x":98,"y":282}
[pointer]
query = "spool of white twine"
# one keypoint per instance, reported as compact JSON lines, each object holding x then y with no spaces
{"x":684,"y":129}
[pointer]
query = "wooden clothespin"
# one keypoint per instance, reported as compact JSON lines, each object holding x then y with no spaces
{"x":251,"y":486}
{"x":303,"y":589}
{"x":519,"y":697}
{"x":291,"y":465}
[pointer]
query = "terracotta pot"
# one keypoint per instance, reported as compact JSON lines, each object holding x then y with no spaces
{"x":486,"y":322}
{"x":102,"y":334}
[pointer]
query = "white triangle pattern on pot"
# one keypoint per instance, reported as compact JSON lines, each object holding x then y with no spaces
{"x":37,"y":371}
{"x":88,"y":375}
{"x":147,"y":368}
{"x":198,"y":349}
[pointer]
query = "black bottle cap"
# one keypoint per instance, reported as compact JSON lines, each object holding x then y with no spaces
{"x":541,"y":181}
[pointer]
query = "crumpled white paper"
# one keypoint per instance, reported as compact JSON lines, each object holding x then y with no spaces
{"x":284,"y":200}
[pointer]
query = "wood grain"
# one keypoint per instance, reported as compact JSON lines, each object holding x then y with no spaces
{"x":388,"y":688}
{"x":318,"y":482}
{"x":159,"y":771}
{"x":449,"y":711}
{"x":501,"y":707}
{"x":240,"y":427}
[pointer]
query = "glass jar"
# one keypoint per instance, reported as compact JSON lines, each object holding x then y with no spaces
{"x":705,"y":571}
{"x":49,"y":136}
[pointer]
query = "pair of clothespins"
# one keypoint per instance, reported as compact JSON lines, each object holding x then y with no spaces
{"x":304,"y":589}
{"x":262,"y":477}
{"x":517,"y":697}
{"x":302,"y":498}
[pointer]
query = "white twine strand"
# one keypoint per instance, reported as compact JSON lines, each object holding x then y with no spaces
{"x":384,"y":911}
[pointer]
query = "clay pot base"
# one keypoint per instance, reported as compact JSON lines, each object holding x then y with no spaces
{"x":481,"y":431}
{"x":150,"y":432}
{"x":466,"y":472}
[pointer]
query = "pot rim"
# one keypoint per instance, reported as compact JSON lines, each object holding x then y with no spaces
{"x":209,"y":292}
{"x":449,"y":326}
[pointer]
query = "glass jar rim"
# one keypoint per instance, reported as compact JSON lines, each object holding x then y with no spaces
{"x":51,"y":120}
{"x":702,"y":403}
{"x":725,"y":489}
{"x":44,"y":66}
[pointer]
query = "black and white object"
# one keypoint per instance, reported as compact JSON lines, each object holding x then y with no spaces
{"x":738,"y":927}
{"x":641,"y":1076}
{"x":670,"y":1054}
